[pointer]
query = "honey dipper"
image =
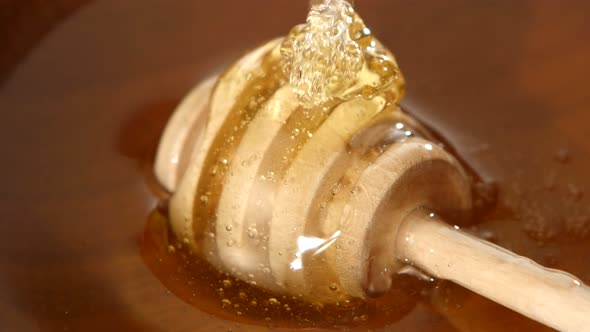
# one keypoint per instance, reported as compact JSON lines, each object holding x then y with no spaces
{"x":317,"y":185}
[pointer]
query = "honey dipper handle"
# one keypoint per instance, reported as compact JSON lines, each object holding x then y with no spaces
{"x":552,"y":297}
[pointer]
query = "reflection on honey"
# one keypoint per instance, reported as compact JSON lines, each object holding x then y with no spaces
{"x":76,"y":201}
{"x":203,"y":286}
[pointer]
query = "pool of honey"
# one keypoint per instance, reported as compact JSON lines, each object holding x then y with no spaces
{"x":84,"y":100}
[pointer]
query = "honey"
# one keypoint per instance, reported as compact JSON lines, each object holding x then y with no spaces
{"x":197,"y":282}
{"x":335,"y":56}
{"x":101,"y":86}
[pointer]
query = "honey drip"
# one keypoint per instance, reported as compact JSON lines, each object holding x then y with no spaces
{"x":334,"y":56}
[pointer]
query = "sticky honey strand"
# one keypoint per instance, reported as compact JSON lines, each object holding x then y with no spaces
{"x":334,"y":56}
{"x":203,"y":286}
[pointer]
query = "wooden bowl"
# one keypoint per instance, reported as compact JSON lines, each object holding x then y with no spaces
{"x":87,"y":86}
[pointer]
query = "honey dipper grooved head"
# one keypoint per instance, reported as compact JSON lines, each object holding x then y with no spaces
{"x":303,"y":201}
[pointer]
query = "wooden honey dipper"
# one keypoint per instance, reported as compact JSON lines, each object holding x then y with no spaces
{"x":327,"y":201}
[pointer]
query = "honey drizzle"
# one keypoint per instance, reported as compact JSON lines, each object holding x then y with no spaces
{"x":264,"y":83}
{"x":335,"y":57}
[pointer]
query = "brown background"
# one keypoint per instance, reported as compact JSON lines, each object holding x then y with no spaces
{"x":84,"y":96}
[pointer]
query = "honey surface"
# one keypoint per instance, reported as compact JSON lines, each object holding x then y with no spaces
{"x":504,"y":84}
